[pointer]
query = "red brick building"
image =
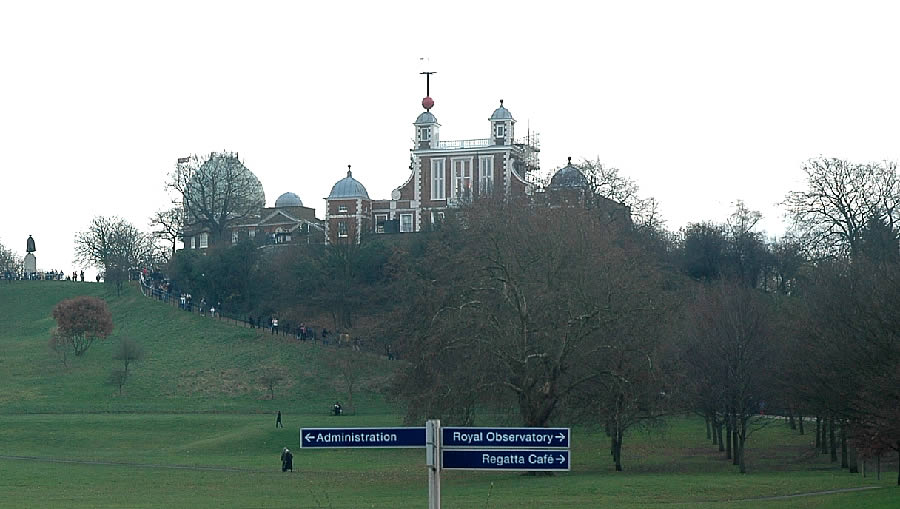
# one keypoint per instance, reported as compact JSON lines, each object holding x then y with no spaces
{"x":443,"y":174}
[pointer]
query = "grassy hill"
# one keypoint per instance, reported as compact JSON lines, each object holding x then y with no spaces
{"x":191,"y":363}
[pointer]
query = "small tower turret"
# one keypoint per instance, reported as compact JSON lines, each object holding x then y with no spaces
{"x":502,"y":125}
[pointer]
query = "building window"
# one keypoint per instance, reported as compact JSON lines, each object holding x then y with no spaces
{"x":406,"y":223}
{"x":234,"y":237}
{"x":204,"y":240}
{"x":437,"y":217}
{"x":499,"y":130}
{"x":379,"y":222}
{"x":193,"y":242}
{"x":252,"y":233}
{"x":462,"y":178}
{"x":424,"y":133}
{"x":438,"y":191}
{"x":342,"y":208}
{"x":342,"y":228}
{"x":486,"y":174}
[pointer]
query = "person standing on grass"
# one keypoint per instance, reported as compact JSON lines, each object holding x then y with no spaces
{"x":278,"y":420}
{"x":287,"y":460}
{"x":274,"y":325}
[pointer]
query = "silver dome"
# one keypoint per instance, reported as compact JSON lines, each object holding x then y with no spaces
{"x":288,"y":200}
{"x":501,"y":113}
{"x":426,"y":117}
{"x":348,"y":187}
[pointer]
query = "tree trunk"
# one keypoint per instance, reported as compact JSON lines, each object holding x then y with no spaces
{"x":844,"y":462}
{"x":742,"y":468}
{"x":619,"y":438}
{"x":708,"y":430}
{"x":719,"y":433}
{"x":728,"y":437}
{"x":832,"y":440}
{"x":818,"y":431}
{"x":791,"y":422}
{"x":736,"y":447}
{"x":854,"y":463}
{"x":715,"y":432}
{"x":800,"y":422}
{"x":824,"y":435}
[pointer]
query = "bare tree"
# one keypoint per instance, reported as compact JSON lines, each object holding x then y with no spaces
{"x":841,"y":197}
{"x":115,"y":246}
{"x":9,"y":262}
{"x":129,"y":352}
{"x":731,"y":347}
{"x":168,"y":225}
{"x":530,"y":317}
{"x":215,"y":191}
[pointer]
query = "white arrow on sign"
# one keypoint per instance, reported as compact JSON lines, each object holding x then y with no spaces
{"x":309,"y":437}
{"x":561,"y":437}
{"x":562,"y":459}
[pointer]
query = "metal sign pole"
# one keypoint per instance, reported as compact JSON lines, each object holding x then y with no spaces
{"x":433,"y":461}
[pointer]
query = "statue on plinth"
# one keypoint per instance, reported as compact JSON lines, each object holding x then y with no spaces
{"x":30,"y":260}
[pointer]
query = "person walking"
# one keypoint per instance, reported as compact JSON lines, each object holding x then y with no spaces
{"x":278,"y":420}
{"x":274,"y":326}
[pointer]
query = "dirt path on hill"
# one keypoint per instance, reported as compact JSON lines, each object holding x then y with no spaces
{"x":810,"y":494}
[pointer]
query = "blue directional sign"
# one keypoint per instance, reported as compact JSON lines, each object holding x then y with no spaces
{"x":362,"y":437}
{"x":505,"y":459}
{"x":505,"y":437}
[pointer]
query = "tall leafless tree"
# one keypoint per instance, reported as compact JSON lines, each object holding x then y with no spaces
{"x":841,"y":197}
{"x":215,"y":191}
{"x":115,"y":246}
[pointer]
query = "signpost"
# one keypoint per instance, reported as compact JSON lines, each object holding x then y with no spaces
{"x":506,"y":459}
{"x":362,"y":437}
{"x":557,"y":438}
{"x":530,"y":449}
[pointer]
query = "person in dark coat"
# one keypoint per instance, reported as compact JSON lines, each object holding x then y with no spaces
{"x":287,"y":460}
{"x":278,"y":420}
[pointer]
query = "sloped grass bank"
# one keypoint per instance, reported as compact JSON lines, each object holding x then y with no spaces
{"x":191,"y":364}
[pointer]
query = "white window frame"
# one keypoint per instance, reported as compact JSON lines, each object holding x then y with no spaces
{"x":463,"y":164}
{"x":252,"y":234}
{"x":438,"y":179}
{"x":193,"y":242}
{"x":343,"y":209}
{"x":485,"y":174}
{"x":499,"y":130}
{"x":204,"y":240}
{"x":409,"y":228}
{"x":424,"y":133}
{"x":234,"y":237}
{"x":382,"y":218}
{"x":343,"y":230}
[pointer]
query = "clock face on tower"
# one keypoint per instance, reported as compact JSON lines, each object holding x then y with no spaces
{"x":395,"y":194}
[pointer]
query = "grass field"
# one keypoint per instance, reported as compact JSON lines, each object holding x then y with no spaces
{"x":194,"y":428}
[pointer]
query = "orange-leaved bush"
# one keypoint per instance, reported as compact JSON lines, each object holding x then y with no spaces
{"x":80,"y":321}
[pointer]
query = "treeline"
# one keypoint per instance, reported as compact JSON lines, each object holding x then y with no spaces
{"x":569,"y":314}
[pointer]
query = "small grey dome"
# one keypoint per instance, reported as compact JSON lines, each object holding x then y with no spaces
{"x":288,"y":200}
{"x":501,"y":113}
{"x":569,"y":176}
{"x":426,"y":117}
{"x":348,"y":187}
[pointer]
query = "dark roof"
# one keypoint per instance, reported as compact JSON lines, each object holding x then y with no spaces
{"x":569,"y":176}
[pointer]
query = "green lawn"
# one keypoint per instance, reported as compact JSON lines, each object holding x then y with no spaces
{"x":195,"y":429}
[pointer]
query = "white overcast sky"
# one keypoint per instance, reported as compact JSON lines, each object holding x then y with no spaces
{"x":702,"y":103}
